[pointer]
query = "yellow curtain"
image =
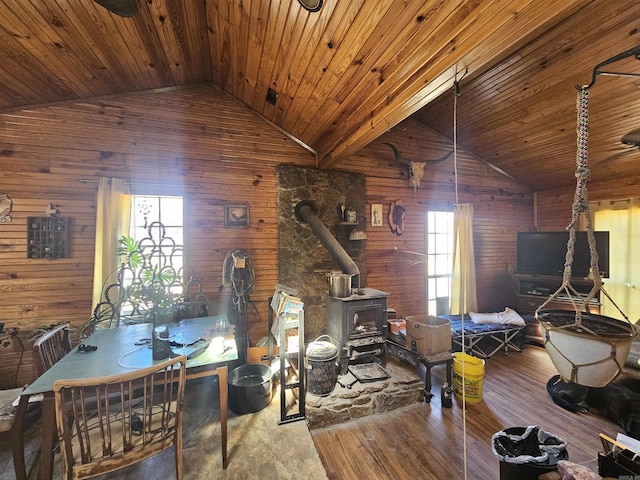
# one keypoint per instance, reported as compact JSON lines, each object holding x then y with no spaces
{"x":113,"y":213}
{"x":622,"y":219}
{"x":464,"y":296}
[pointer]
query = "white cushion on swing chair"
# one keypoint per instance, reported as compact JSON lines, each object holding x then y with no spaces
{"x":597,"y":360}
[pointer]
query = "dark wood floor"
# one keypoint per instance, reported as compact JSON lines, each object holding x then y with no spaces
{"x":428,"y":442}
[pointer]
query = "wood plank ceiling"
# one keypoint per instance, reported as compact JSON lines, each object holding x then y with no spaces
{"x":355,"y":69}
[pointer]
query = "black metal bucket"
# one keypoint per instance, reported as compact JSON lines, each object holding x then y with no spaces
{"x":322,"y":371}
{"x":250,"y":388}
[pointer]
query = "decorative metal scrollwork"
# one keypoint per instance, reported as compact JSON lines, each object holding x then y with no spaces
{"x":149,"y":284}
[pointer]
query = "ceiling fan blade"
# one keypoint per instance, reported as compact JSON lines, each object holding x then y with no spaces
{"x":631,"y":138}
{"x":621,"y":148}
{"x":616,"y":156}
{"x":124,"y":8}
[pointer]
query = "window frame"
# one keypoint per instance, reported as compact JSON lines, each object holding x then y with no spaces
{"x":439,"y":250}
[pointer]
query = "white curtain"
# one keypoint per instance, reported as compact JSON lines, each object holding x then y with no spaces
{"x":113,"y":213}
{"x":464,"y":296}
{"x":622,"y":219}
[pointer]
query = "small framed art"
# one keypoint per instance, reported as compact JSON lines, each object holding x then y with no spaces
{"x":376,"y":214}
{"x":236,"y":216}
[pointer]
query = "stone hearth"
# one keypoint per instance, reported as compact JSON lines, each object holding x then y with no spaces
{"x":404,"y":387}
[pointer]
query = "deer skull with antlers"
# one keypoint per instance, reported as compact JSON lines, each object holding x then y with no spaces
{"x":416,"y":169}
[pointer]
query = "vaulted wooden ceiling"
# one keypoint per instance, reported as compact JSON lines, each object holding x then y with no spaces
{"x":343,"y":76}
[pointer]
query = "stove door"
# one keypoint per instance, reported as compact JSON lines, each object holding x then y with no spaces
{"x":365,"y":318}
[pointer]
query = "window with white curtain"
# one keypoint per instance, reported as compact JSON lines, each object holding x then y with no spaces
{"x":146,"y":210}
{"x":622,"y":219}
{"x":439,"y":248}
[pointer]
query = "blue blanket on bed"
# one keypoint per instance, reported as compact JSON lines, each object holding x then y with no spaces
{"x":471,"y":328}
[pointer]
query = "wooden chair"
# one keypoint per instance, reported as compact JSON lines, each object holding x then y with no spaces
{"x":12,"y":426}
{"x":17,"y":414}
{"x":50,"y":348}
{"x":106,"y":434}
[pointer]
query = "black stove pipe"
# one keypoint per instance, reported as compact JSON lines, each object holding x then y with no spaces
{"x":305,"y":212}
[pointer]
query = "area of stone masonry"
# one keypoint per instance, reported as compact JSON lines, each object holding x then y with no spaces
{"x":404,"y":387}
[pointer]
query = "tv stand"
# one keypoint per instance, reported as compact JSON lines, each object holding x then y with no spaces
{"x":533,"y":290}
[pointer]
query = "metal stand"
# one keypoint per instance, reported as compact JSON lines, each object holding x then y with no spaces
{"x":289,"y":361}
{"x":414,"y":359}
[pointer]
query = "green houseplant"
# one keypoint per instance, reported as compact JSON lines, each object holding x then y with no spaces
{"x":152,"y":284}
{"x":149,"y":286}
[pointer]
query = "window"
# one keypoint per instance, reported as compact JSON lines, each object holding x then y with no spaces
{"x":146,"y":210}
{"x":622,"y":219}
{"x":149,"y":213}
{"x":439,"y":248}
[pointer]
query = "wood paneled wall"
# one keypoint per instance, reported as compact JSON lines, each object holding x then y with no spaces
{"x":501,"y":208}
{"x":554,"y":206}
{"x":198,"y":142}
{"x":203,"y":144}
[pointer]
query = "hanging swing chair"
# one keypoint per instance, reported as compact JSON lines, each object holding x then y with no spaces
{"x":586,"y":348}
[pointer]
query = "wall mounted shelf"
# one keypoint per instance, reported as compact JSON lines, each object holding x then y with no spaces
{"x":47,"y":237}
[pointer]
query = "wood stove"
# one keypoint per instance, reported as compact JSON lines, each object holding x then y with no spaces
{"x":356,"y":324}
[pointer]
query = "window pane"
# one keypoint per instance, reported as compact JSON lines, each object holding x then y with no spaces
{"x":176,"y":234}
{"x":439,"y":249}
{"x":431,"y":288}
{"x":138,"y":232}
{"x":432,"y":306}
{"x":443,"y":286}
{"x":144,"y":207}
{"x":146,"y":210}
{"x":442,"y":243}
{"x":431,"y":222}
{"x":171,"y":211}
{"x":442,"y":265}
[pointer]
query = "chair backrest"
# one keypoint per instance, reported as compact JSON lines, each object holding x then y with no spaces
{"x":51,"y":347}
{"x":108,"y":423}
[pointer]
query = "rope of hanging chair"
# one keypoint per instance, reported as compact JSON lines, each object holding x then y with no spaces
{"x":580,"y":207}
{"x":589,"y":356}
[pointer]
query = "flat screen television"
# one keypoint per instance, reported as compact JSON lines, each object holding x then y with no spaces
{"x":544,"y":253}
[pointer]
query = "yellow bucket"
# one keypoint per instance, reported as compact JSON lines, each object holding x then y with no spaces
{"x":473,"y":377}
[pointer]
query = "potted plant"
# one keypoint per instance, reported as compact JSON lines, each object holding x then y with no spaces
{"x":147,"y":287}
{"x":149,"y":281}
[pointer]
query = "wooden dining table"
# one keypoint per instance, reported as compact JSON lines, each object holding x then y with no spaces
{"x":126,"y":348}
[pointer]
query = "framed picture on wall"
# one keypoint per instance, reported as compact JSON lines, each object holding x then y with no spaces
{"x":236,"y":216}
{"x":376,"y":214}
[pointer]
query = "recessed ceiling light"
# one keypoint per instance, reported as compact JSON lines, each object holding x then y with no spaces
{"x":311,"y":5}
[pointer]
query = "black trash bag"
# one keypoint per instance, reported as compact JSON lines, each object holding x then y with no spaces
{"x":527,"y":445}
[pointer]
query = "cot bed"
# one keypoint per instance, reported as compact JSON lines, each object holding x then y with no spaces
{"x":485,"y":339}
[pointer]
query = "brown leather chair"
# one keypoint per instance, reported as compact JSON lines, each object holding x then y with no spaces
{"x":129,"y":418}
